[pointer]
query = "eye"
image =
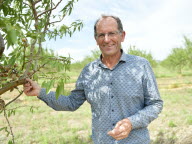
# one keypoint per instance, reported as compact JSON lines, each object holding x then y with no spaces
{"x":101,"y":35}
{"x":111,"y":33}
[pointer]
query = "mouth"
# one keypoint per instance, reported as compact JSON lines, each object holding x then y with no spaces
{"x":108,"y":46}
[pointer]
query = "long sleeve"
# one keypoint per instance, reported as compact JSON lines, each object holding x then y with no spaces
{"x":65,"y":103}
{"x":152,"y":101}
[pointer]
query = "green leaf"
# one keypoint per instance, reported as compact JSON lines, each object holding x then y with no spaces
{"x":12,"y":36}
{"x":31,"y":109}
{"x":50,"y":84}
{"x":2,"y":128}
{"x":5,"y":10}
{"x":10,"y":142}
{"x":60,"y":89}
{"x":35,"y":77}
{"x":12,"y":60}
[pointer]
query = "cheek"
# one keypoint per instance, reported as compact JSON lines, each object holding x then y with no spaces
{"x":98,"y":43}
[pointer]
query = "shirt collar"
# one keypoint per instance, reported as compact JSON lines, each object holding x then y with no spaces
{"x":122,"y":58}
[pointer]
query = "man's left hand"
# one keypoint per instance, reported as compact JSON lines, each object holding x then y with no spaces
{"x":121,"y":130}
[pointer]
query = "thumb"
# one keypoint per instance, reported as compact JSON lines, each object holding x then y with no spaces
{"x":29,"y":80}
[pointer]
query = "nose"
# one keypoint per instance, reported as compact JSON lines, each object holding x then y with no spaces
{"x":106,"y":38}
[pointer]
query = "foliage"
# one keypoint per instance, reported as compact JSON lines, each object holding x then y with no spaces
{"x":176,"y":60}
{"x":188,"y":47}
{"x":25,"y":26}
{"x":95,"y":54}
{"x":142,"y":53}
{"x":179,"y":58}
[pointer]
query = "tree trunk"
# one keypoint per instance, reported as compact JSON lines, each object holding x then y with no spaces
{"x":2,"y":46}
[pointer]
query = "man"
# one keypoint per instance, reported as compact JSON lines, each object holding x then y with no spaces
{"x":121,"y":89}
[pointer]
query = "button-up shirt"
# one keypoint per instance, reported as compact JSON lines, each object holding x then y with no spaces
{"x":128,"y":90}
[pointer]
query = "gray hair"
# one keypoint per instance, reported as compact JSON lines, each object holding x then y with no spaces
{"x":119,"y":24}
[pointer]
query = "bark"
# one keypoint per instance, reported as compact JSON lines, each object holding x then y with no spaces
{"x":2,"y":46}
{"x":12,"y":85}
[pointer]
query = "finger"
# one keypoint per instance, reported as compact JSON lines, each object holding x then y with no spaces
{"x":121,"y":136}
{"x":119,"y":130}
{"x":28,"y":88}
{"x":29,"y":80}
{"x":122,"y":128}
{"x":125,"y":122}
{"x":27,"y":84}
{"x":118,"y":124}
{"x":114,"y":132}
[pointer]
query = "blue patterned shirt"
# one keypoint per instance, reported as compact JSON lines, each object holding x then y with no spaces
{"x":129,"y":90}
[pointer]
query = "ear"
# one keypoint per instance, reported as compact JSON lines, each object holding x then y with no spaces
{"x":96,"y":40}
{"x":123,"y":36}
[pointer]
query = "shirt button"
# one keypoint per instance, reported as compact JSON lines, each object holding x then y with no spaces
{"x":111,"y":96}
{"x":112,"y":110}
{"x":113,"y":124}
{"x":111,"y":83}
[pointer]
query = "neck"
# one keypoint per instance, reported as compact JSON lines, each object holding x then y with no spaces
{"x":111,"y":61}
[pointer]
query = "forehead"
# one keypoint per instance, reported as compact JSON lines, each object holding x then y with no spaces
{"x":106,"y":25}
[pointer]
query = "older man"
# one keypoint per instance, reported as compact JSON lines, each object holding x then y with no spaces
{"x":120,"y":88}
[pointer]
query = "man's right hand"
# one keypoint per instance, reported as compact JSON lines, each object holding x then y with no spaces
{"x":31,"y":88}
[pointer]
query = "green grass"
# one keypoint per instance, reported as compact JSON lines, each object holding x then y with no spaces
{"x":46,"y":126}
{"x":172,"y":124}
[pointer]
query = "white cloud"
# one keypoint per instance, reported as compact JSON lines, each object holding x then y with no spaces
{"x":151,"y":25}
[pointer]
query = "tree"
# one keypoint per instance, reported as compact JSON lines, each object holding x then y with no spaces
{"x":188,"y":47}
{"x":133,"y":51}
{"x":176,"y":60}
{"x":2,"y":45}
{"x":180,"y":57}
{"x":89,"y":58}
{"x":24,"y":26}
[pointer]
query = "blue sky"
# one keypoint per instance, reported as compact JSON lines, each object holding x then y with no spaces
{"x":156,"y":26}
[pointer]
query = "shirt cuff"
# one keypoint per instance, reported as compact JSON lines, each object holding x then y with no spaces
{"x":42,"y":93}
{"x":133,"y":122}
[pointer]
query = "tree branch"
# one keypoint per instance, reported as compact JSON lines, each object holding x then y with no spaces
{"x":37,"y":1}
{"x":49,"y":9}
{"x":6,"y":117}
{"x":1,"y":67}
{"x":2,"y":46}
{"x":1,"y":2}
{"x":26,"y":4}
{"x":34,"y":13}
{"x":12,"y":85}
{"x":30,"y":57}
{"x":14,"y":99}
{"x":48,"y":19}
{"x":58,"y":20}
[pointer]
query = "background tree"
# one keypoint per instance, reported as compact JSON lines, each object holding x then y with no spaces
{"x":176,"y":60}
{"x":142,"y":53}
{"x":79,"y":65}
{"x":24,"y":26}
{"x":179,"y":58}
{"x":188,"y":47}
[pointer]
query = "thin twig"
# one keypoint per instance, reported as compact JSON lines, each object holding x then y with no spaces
{"x":24,"y":50}
{"x":6,"y":117}
{"x":14,"y":99}
{"x":49,"y":9}
{"x":34,"y":71}
{"x":57,"y":21}
{"x":37,"y":1}
{"x":26,"y":4}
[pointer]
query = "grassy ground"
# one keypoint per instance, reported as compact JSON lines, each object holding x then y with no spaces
{"x":46,"y":126}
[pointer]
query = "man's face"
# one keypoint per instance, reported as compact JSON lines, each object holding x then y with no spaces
{"x":108,"y":37}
